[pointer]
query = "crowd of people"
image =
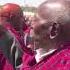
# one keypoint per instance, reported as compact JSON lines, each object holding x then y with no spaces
{"x":40,"y":44}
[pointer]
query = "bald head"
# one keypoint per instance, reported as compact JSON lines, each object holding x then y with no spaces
{"x":53,"y":24}
{"x":55,"y":10}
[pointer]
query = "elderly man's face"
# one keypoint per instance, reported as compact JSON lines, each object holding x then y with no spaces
{"x":39,"y":33}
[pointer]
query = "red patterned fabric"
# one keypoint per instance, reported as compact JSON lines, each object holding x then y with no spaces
{"x":18,"y":37}
{"x":7,"y":66}
{"x":59,"y":60}
{"x":2,"y":61}
{"x":28,"y":61}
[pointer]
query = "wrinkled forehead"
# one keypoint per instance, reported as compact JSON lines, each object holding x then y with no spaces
{"x":38,"y":21}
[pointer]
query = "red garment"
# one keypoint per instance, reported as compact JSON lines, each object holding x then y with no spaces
{"x":8,"y":66}
{"x":2,"y":61}
{"x":4,"y":64}
{"x":28,"y":61}
{"x":29,"y":52}
{"x":18,"y":37}
{"x":59,"y":60}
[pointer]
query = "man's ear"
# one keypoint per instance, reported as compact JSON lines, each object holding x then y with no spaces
{"x":54,"y":30}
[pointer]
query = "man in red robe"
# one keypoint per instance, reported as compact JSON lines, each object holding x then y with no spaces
{"x":51,"y":36}
{"x":12,"y":20}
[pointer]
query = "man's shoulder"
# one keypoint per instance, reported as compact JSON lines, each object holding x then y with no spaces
{"x":59,"y":60}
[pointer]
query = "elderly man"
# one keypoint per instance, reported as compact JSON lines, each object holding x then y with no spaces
{"x":51,"y":36}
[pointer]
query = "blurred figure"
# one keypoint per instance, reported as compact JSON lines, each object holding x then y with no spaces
{"x":13,"y":20}
{"x":50,"y":36}
{"x":2,"y":56}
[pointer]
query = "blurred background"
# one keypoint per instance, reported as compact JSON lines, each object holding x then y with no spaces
{"x":28,"y":6}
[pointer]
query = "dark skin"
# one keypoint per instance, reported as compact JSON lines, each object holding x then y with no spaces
{"x":53,"y":25}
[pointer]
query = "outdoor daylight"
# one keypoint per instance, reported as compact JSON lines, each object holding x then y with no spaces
{"x":34,"y":34}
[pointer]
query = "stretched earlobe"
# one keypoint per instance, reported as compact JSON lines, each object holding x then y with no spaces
{"x":52,"y":37}
{"x":54,"y":31}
